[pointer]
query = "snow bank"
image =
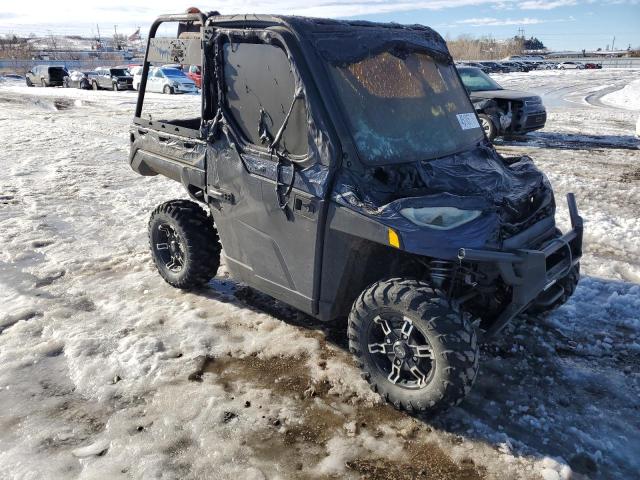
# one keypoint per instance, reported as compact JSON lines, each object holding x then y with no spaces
{"x":627,"y":97}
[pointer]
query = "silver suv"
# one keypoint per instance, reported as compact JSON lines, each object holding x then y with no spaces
{"x":169,"y":80}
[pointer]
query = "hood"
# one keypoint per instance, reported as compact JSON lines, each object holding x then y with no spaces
{"x":476,"y":173}
{"x":506,"y":94}
{"x":511,"y":192}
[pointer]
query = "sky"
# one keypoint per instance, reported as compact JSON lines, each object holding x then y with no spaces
{"x":560,"y":24}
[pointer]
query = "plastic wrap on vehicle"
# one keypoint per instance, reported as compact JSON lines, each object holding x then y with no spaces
{"x":320,"y":149}
{"x":347,"y":41}
{"x":507,"y":193}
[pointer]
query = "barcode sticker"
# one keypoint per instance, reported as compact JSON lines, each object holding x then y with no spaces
{"x":468,"y":121}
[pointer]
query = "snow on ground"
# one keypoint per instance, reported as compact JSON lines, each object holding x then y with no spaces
{"x":627,"y":97}
{"x":107,"y":372}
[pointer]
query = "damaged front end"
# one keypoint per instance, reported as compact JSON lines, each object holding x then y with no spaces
{"x":482,"y":225}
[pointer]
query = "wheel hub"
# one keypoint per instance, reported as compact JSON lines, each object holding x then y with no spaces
{"x":169,"y":248}
{"x":400,"y":350}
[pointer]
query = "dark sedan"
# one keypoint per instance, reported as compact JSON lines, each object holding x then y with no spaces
{"x":501,"y":111}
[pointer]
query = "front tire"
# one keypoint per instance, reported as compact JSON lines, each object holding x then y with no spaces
{"x":184,"y":244}
{"x":29,"y":83}
{"x":43,"y":82}
{"x":94,"y":85}
{"x":115,"y":87}
{"x":167,"y":90}
{"x":415,"y":350}
{"x":488,"y":125}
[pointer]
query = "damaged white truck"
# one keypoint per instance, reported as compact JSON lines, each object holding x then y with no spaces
{"x":339,"y":167}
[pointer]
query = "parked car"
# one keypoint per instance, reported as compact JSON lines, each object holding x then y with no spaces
{"x":495,"y":67}
{"x":484,"y":68}
{"x":591,"y":65}
{"x":176,"y":66}
{"x":501,"y":111}
{"x":377,"y":203}
{"x":194,"y":72}
{"x":525,"y":66}
{"x":12,"y":76}
{"x":512,"y":66}
{"x":136,"y":73}
{"x":77,"y":79}
{"x":570,"y":65}
{"x":169,"y":80}
{"x":111,"y":78}
{"x":46,"y":76}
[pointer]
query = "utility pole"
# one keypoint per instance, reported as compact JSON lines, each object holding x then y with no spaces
{"x":115,"y":36}
{"x":613,"y":43}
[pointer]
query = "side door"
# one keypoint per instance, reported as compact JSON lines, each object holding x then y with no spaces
{"x":97,"y":76}
{"x":269,"y":211}
{"x":154,"y":82}
{"x":105,"y":78}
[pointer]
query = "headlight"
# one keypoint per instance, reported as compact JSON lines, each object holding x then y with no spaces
{"x":440,"y":218}
{"x":175,"y":84}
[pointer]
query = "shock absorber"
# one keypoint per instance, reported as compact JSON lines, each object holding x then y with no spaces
{"x":440,"y":271}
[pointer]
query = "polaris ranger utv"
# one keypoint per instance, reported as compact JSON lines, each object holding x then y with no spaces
{"x":339,"y":167}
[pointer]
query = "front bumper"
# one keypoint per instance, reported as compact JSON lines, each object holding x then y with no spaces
{"x":532,"y":273}
{"x":529,"y":121}
{"x":181,"y":88}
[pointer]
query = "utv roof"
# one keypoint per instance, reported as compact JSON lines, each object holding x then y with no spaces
{"x":343,"y":40}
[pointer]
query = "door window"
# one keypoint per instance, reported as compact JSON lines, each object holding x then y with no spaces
{"x":260,"y":90}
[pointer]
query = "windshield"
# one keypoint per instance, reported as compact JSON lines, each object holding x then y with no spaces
{"x":477,"y":81}
{"x":173,"y":72}
{"x":404,"y":107}
{"x":119,"y":72}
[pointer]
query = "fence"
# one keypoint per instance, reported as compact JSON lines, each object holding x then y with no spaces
{"x":624,"y":62}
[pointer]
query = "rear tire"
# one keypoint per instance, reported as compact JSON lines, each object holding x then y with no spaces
{"x":415,"y":350}
{"x":29,"y":83}
{"x":43,"y":82}
{"x":94,"y":85}
{"x":184,"y":244}
{"x":488,"y":125}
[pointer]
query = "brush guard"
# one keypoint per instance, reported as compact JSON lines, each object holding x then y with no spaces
{"x":532,"y":273}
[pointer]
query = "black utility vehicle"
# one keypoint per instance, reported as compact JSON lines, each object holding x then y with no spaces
{"x":46,"y":76}
{"x":345,"y":173}
{"x":502,"y":111}
{"x":111,"y":78}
